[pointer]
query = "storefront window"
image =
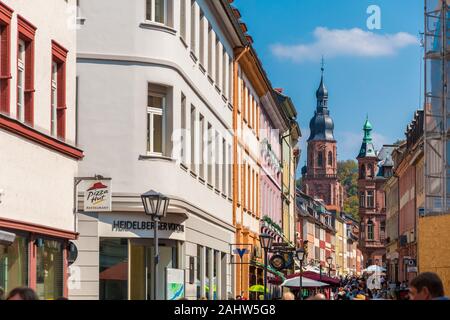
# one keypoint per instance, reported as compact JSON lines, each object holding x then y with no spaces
{"x":14,"y":264}
{"x":113,"y":269}
{"x":49,"y":270}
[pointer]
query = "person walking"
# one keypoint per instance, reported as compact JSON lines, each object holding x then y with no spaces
{"x":427,"y":286}
{"x":22,"y":293}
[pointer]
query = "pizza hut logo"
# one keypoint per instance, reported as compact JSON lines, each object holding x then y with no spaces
{"x":97,"y":194}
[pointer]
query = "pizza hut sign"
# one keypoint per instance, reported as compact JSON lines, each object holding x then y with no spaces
{"x":97,"y":197}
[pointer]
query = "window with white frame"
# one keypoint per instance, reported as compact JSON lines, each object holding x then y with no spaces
{"x":230,"y":171}
{"x":224,"y":166}
{"x":201,"y":147}
{"x":210,"y":151}
{"x":192,"y":132}
{"x":21,"y":82}
{"x":183,"y":129}
{"x":157,"y":11}
{"x":217,"y":141}
{"x":203,"y":21}
{"x":370,"y":199}
{"x":156,"y":106}
{"x":54,"y":98}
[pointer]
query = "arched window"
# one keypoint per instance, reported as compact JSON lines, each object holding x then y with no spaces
{"x":370,"y":230}
{"x":371,"y":171}
{"x":362,"y":172}
{"x":320,"y":159}
{"x":330,"y":158}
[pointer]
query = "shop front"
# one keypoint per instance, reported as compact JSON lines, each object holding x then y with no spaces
{"x":34,"y":256}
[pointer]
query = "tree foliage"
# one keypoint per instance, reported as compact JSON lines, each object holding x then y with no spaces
{"x":348,"y":176}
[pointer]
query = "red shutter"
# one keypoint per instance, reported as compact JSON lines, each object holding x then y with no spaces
{"x":61,"y":111}
{"x":60,"y":56}
{"x":5,"y":71}
{"x":29,"y":83}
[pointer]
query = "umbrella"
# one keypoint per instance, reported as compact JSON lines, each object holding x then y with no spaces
{"x":306,"y":283}
{"x":257,"y":288}
{"x":374,"y":268}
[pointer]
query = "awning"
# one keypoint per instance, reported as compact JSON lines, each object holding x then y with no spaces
{"x":317,"y":277}
{"x":7,"y":238}
{"x":306,"y":283}
{"x":117,"y":272}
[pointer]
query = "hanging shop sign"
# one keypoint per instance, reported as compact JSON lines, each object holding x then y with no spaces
{"x":97,"y":197}
{"x":278,"y":262}
{"x":72,"y":253}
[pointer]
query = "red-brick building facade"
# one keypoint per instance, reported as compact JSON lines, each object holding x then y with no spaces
{"x":374,"y":168}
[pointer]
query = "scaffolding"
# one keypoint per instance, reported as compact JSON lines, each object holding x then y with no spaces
{"x":437,"y":147}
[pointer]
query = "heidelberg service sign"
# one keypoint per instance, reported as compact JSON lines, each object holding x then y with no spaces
{"x":97,"y":197}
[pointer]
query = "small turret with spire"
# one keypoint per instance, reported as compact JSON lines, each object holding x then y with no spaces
{"x":367,"y":147}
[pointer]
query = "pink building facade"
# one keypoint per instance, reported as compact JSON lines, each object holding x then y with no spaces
{"x":270,"y":176}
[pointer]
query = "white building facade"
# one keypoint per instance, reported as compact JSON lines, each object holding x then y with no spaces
{"x":38,"y":153}
{"x":155,"y":109}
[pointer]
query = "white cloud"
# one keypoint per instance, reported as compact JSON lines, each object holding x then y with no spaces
{"x":345,"y":42}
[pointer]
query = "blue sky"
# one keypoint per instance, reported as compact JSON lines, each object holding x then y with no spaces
{"x":374,"y":72}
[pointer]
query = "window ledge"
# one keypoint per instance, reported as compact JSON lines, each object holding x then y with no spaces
{"x":202,"y":68}
{"x":16,"y":127}
{"x":155,"y":157}
{"x":224,"y":98}
{"x":194,"y":57}
{"x":210,"y":79}
{"x":183,"y":42}
{"x":230,"y":106}
{"x":158,"y":27}
{"x":218,"y":89}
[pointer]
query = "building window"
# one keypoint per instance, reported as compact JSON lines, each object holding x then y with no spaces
{"x":203,"y":23}
{"x":156,"y":106}
{"x":371,"y":171}
{"x":49,"y":270}
{"x":58,"y":92}
{"x":210,"y":51}
{"x":224,"y":166}
{"x":370,"y":230}
{"x":14,"y":264}
{"x":330,"y":158}
{"x":218,"y":57}
{"x":25,"y":72}
{"x":217,"y":141}
{"x":5,"y":63}
{"x":113,"y":262}
{"x":193,"y":27}
{"x":362,"y":199}
{"x":230,"y":171}
{"x":201,"y":146}
{"x":320,"y":159}
{"x":362,"y":172}
{"x":370,"y":199}
{"x":157,"y":11}
{"x":183,"y":130}
{"x":210,"y":151}
{"x":192,"y":132}
{"x":21,"y":81}
{"x":183,"y":19}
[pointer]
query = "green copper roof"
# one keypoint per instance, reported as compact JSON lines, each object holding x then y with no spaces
{"x":367,"y":147}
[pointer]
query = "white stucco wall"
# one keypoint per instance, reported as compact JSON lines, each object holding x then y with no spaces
{"x":38,"y":182}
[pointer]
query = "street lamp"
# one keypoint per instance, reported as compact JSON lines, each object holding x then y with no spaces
{"x":155,"y":205}
{"x":329,"y":261}
{"x":266,"y":244}
{"x":301,"y":256}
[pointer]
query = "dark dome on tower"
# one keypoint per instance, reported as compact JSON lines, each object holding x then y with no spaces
{"x":322,"y":125}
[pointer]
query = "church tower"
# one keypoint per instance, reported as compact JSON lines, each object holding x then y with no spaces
{"x":374,"y":168}
{"x":320,"y":174}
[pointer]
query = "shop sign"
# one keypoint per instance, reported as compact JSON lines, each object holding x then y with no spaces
{"x":174,"y":284}
{"x":278,"y":262}
{"x":123,"y":225}
{"x":97,"y":197}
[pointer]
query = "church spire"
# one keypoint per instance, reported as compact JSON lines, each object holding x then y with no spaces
{"x":367,"y":147}
{"x":322,"y":92}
